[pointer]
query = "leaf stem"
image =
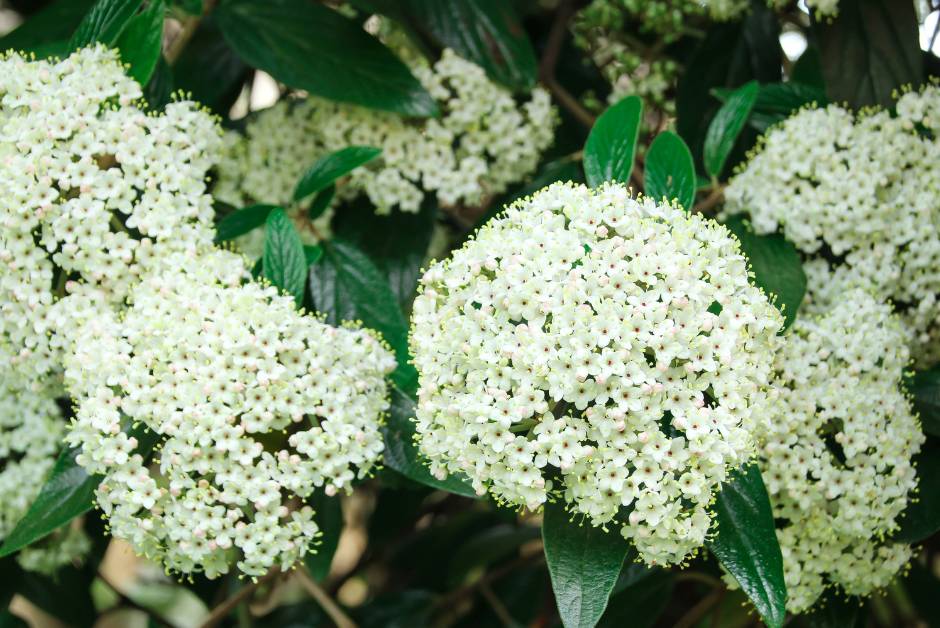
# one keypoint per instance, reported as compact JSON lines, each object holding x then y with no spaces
{"x":222,"y":611}
{"x":556,"y":38}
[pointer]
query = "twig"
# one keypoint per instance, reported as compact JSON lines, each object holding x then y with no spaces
{"x":221,"y":611}
{"x":190,"y":24}
{"x":331,"y":608}
{"x":697,"y":612}
{"x":716,"y":196}
{"x":556,"y":38}
{"x":499,"y":609}
{"x":155,"y":616}
{"x":487,"y":578}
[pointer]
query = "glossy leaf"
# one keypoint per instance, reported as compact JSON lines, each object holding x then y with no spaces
{"x":47,"y":32}
{"x":870,"y":50}
{"x":328,"y":169}
{"x":611,"y":145}
{"x":329,"y":515}
{"x":321,"y":202}
{"x":670,"y":171}
{"x":284,"y":263}
{"x":921,"y":519}
{"x":746,"y":543}
{"x":924,"y":388}
{"x":241,"y":221}
{"x":312,"y":47}
{"x":141,"y":41}
{"x":583,"y":562}
{"x":345,"y":285}
{"x":104,"y":23}
{"x":726,"y":126}
{"x":401,"y":453}
{"x":776,"y":265}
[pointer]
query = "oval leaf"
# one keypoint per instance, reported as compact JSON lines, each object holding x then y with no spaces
{"x":104,"y":23}
{"x":746,"y":543}
{"x":611,"y":145}
{"x":584,"y":563}
{"x":776,"y":266}
{"x":284,"y":263}
{"x":242,"y":221}
{"x":141,"y":41}
{"x":309,"y":46}
{"x":670,"y":171}
{"x":726,"y":126}
{"x":328,"y":169}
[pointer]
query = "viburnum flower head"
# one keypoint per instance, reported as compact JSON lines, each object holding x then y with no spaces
{"x":254,"y":405}
{"x":612,"y":341}
{"x":838,"y":450}
{"x":91,"y":185}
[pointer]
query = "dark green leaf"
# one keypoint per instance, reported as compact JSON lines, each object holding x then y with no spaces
{"x":746,"y":543}
{"x":328,"y":169}
{"x":159,"y":89}
{"x":785,"y":98}
{"x":104,"y":23}
{"x":66,"y":595}
{"x":329,"y":514}
{"x":321,"y":201}
{"x":835,"y":610}
{"x":921,"y":518}
{"x":726,"y":126}
{"x":583,"y":562}
{"x":808,"y":69}
{"x":611,"y":146}
{"x":670,"y":171}
{"x":401,"y":453}
{"x":486,"y":32}
{"x":922,"y":586}
{"x":639,"y":597}
{"x":346,"y":286}
{"x":871,"y":49}
{"x":209,"y":70}
{"x":776,"y":265}
{"x":284,"y":263}
{"x":47,"y":32}
{"x":312,"y":253}
{"x":141,"y":41}
{"x":242,"y":221}
{"x":312,"y":47}
{"x":488,"y":547}
{"x":9,"y":620}
{"x":924,"y":387}
{"x":407,"y":609}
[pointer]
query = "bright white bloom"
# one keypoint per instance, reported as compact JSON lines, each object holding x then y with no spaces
{"x":615,"y":342}
{"x":31,"y":430}
{"x":253,"y":406}
{"x":859,"y":195}
{"x":90,"y":185}
{"x":482,"y":142}
{"x":839,"y":444}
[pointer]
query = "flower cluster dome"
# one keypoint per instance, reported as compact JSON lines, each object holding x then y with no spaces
{"x":859,"y":195}
{"x":838,"y":447}
{"x":90,"y":185}
{"x":252,"y":404}
{"x":614,"y":342}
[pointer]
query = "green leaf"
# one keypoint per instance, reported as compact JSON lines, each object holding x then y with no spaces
{"x":209,"y":70}
{"x":726,"y":126}
{"x":583,"y":562}
{"x":47,"y":32}
{"x":777,"y":101}
{"x":284,"y":263}
{"x":670,"y":171}
{"x":746,"y":543}
{"x":311,"y":47}
{"x":345,"y":285}
{"x":808,"y":69}
{"x":331,"y":167}
{"x":924,"y":388}
{"x":67,"y":493}
{"x":158,"y":91}
{"x":141,"y":41}
{"x":869,"y":50}
{"x":329,"y":514}
{"x":490,"y":546}
{"x":922,"y":585}
{"x":104,"y":23}
{"x":322,"y":201}
{"x":611,"y":145}
{"x":242,"y":221}
{"x":401,"y":453}
{"x":776,"y":265}
{"x":835,"y":610}
{"x":486,"y":32}
{"x":639,"y":597}
{"x":9,"y":620}
{"x":921,"y":518}
{"x":312,"y":253}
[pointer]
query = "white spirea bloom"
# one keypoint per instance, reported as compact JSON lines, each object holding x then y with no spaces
{"x":482,"y":142}
{"x":613,"y":341}
{"x":838,"y":450}
{"x":860,"y":196}
{"x":90,"y":185}
{"x":31,"y":430}
{"x":253,"y":404}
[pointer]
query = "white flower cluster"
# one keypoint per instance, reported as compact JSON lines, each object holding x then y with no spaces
{"x":31,"y":430}
{"x":859,"y":195}
{"x":839,"y":444}
{"x":483,"y":141}
{"x":91,"y":186}
{"x":615,"y":342}
{"x":254,"y":406}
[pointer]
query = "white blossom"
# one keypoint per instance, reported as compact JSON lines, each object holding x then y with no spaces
{"x":253,"y":406}
{"x":615,"y":342}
